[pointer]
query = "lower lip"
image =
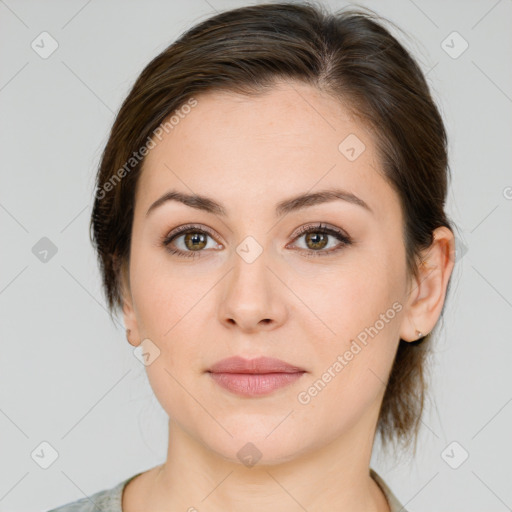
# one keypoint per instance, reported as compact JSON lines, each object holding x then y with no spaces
{"x":254,"y":384}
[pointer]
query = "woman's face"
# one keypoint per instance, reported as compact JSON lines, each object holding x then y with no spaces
{"x":248,"y":283}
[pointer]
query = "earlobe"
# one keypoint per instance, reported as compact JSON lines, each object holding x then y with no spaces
{"x":130,"y":320}
{"x":428,"y":291}
{"x":129,"y":338}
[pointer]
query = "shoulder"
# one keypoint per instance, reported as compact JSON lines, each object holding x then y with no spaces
{"x":394,"y":503}
{"x":107,"y":500}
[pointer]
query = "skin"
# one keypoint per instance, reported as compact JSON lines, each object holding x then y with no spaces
{"x":249,"y":154}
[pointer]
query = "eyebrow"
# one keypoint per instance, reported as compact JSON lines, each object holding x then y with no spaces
{"x":299,"y":202}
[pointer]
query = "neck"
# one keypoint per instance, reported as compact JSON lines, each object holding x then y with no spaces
{"x":332,"y":477}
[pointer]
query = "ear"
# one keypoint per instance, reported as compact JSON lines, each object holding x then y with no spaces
{"x":130,"y":319}
{"x":427,"y":292}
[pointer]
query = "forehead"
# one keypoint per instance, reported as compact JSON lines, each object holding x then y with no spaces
{"x":242,"y":150}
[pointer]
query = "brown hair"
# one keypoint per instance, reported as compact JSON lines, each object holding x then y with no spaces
{"x":349,"y":55}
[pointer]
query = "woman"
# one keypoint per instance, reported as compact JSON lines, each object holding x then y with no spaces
{"x":269,"y":217}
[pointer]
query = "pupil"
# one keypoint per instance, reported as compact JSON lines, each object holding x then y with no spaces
{"x":316,"y":239}
{"x":195,"y":238}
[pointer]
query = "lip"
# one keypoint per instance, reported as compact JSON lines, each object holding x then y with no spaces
{"x":239,"y":364}
{"x":254,"y":377}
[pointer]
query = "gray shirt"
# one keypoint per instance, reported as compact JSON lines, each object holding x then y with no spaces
{"x":109,"y":500}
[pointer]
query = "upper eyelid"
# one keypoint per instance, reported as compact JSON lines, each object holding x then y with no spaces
{"x":320,"y":226}
{"x":302,"y":230}
{"x":181,"y":230}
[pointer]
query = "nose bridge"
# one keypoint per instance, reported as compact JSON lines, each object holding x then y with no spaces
{"x":250,"y":262}
{"x":253,"y":243}
{"x":251,"y":294}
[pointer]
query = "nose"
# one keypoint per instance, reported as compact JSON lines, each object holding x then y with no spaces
{"x":253,"y":297}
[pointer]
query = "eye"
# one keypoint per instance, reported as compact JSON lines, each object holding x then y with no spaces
{"x":194,"y":240}
{"x":317,"y":238}
{"x":190,"y":240}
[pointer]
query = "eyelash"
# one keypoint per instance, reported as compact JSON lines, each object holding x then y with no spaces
{"x":318,"y":228}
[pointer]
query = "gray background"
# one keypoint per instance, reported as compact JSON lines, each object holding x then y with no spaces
{"x":67,"y":374}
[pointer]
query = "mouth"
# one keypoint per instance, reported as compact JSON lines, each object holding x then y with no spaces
{"x":254,"y":377}
{"x":239,"y":364}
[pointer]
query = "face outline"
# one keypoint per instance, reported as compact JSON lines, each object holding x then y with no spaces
{"x":250,"y":154}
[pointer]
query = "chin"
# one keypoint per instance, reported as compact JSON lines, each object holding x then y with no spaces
{"x":252,"y":446}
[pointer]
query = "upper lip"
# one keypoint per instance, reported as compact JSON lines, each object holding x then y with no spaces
{"x":239,"y":364}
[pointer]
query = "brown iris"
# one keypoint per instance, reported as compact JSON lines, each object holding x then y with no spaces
{"x":315,"y":238}
{"x":195,"y":238}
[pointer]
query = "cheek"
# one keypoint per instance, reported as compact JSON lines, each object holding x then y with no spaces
{"x":359,"y":314}
{"x":160,"y":295}
{"x":344,"y":300}
{"x":167,"y":304}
